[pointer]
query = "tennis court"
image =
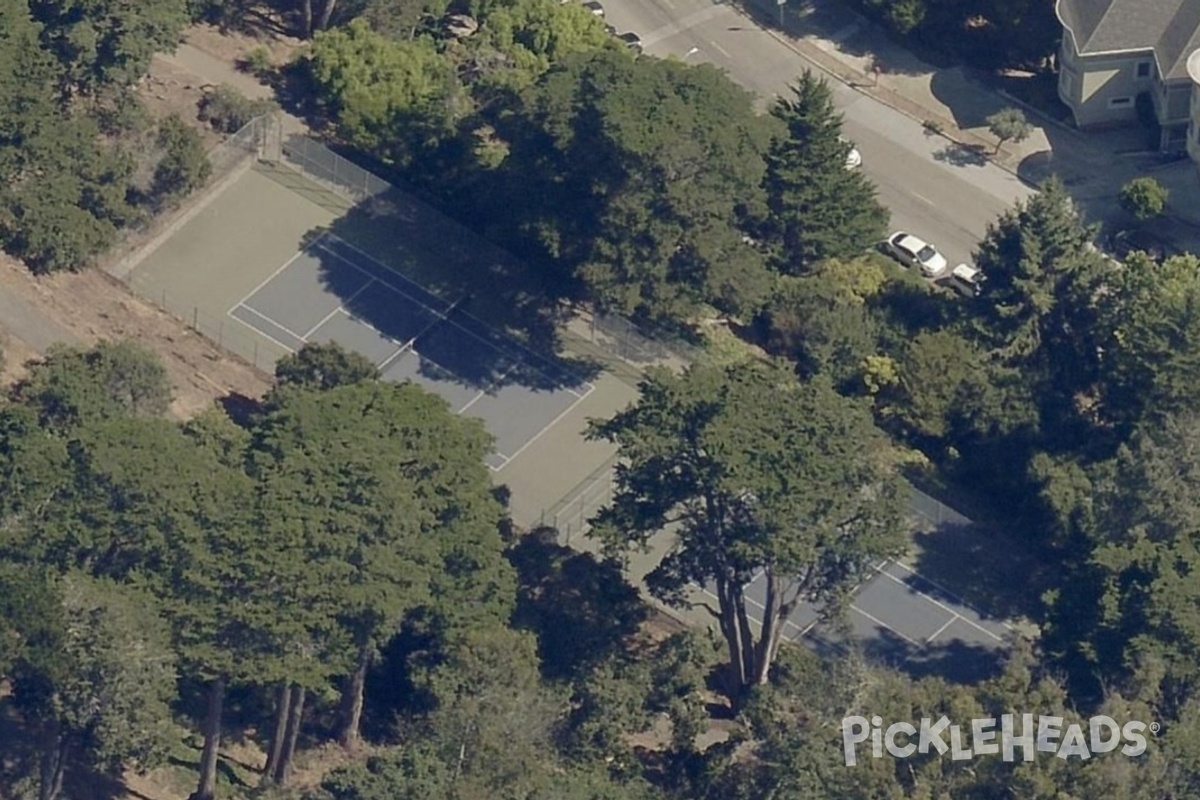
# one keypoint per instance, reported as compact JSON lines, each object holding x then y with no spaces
{"x":333,"y":292}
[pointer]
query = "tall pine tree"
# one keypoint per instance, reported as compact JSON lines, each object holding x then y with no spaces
{"x":817,"y":208}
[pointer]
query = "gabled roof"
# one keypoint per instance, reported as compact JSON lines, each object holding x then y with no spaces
{"x":1171,"y":28}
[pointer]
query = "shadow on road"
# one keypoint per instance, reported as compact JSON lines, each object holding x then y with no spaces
{"x":962,"y":155}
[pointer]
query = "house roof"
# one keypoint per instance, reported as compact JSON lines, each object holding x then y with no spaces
{"x":1171,"y":28}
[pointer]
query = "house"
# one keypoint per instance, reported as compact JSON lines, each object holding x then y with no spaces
{"x":1114,"y":51}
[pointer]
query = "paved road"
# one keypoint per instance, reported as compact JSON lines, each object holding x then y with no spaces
{"x":930,"y":191}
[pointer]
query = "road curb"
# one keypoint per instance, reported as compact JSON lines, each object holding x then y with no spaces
{"x":853,"y":79}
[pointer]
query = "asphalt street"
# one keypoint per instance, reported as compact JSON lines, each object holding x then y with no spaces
{"x":942,"y":195}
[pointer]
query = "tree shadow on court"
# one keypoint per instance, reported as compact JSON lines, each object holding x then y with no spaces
{"x":505,"y":327}
{"x":977,"y":565}
{"x":952,"y":660}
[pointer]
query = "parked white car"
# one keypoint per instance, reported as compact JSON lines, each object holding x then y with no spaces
{"x":913,"y":252}
{"x":595,"y":8}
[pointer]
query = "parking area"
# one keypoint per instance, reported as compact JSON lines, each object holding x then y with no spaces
{"x":333,"y":292}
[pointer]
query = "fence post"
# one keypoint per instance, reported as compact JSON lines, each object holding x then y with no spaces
{"x":195,"y":318}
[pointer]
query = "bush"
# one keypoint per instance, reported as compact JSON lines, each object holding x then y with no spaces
{"x":257,"y":62}
{"x":1143,"y":198}
{"x":228,"y":110}
{"x":184,"y":166}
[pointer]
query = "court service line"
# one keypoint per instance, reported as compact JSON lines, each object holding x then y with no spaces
{"x":272,"y":276}
{"x":941,"y":605}
{"x":942,"y":629}
{"x":946,"y":591}
{"x":507,"y":460}
{"x":547,"y":427}
{"x":266,"y":336}
{"x":885,"y":626}
{"x":423,"y":291}
{"x":340,"y":307}
{"x":387,"y":361}
{"x":263,"y":316}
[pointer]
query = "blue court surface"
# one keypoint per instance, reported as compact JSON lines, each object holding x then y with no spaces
{"x":333,"y":292}
{"x":901,"y":619}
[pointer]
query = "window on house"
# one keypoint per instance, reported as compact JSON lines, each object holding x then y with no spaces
{"x":1143,"y":69}
{"x":1120,"y":102}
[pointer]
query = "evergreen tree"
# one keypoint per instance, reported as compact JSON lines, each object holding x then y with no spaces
{"x":818,"y":209}
{"x":761,"y":474}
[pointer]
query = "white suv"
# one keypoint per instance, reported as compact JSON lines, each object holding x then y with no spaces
{"x":914,"y":252}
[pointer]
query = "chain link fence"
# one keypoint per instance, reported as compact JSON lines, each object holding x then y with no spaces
{"x":572,"y":517}
{"x":339,"y":175}
{"x":257,"y":140}
{"x":620,"y":337}
{"x":927,"y":509}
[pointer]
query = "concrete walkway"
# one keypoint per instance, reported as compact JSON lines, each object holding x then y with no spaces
{"x":1093,"y":166}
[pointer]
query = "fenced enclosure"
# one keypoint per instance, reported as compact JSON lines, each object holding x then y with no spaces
{"x":332,"y":171}
{"x":572,"y":517}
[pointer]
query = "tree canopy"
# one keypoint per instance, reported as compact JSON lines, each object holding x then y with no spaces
{"x":760,"y":474}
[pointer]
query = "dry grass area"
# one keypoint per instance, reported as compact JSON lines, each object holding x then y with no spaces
{"x":94,"y":307}
{"x":231,"y":47}
{"x":169,"y":90}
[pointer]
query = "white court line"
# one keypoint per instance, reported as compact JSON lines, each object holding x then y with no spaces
{"x":263,"y":316}
{"x":922,"y":198}
{"x":472,"y":401}
{"x":531,"y":364}
{"x":341,"y":307}
{"x":266,"y":336}
{"x":387,"y":361}
{"x":883,"y":624}
{"x":591,"y":387}
{"x":272,"y":276}
{"x":720,"y":50}
{"x":547,"y":427}
{"x":507,"y":459}
{"x":942,"y":629}
{"x":941,"y":605}
{"x":786,"y":623}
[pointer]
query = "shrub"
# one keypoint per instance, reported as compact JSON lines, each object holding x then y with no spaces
{"x":257,"y":62}
{"x":184,"y":166}
{"x":1143,"y":198}
{"x":228,"y":110}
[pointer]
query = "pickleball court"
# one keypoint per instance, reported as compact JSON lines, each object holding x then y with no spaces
{"x":333,"y":292}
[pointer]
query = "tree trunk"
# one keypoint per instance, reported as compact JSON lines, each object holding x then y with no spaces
{"x":306,"y":9}
{"x":771,"y":625}
{"x":53,"y":765}
{"x":326,"y":14}
{"x":207,"y":789}
{"x":282,"y":704}
{"x":352,"y":702}
{"x":295,"y":714}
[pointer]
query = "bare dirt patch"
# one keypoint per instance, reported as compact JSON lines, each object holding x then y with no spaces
{"x":167,"y":90}
{"x":232,"y":47}
{"x":94,"y":307}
